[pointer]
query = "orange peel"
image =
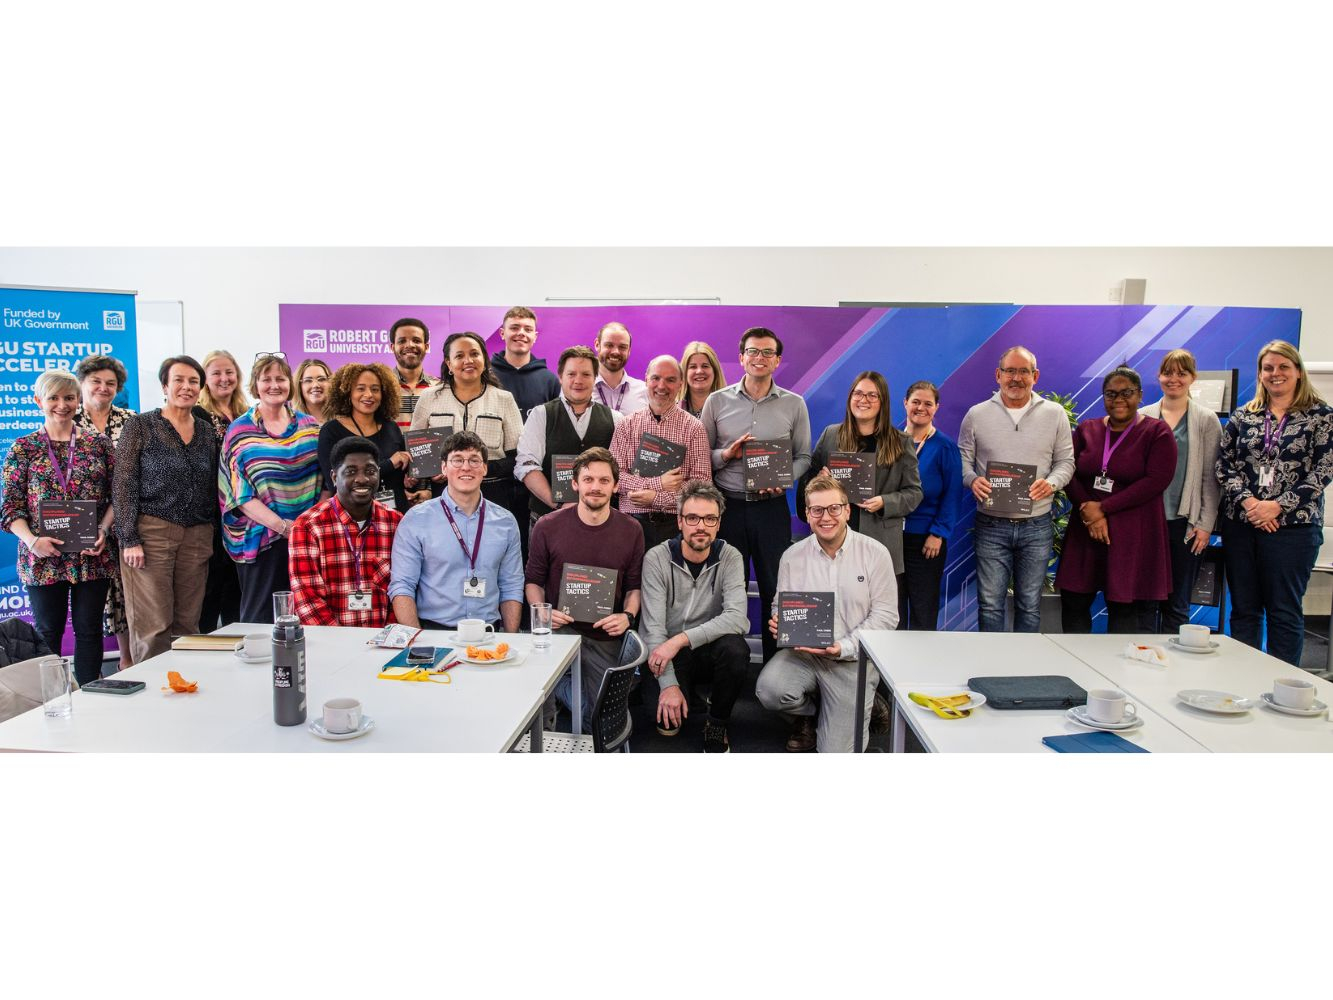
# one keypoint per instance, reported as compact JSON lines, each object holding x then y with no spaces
{"x":179,"y":684}
{"x":481,"y":653}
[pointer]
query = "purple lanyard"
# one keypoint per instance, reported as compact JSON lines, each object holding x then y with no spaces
{"x":1272,"y":438}
{"x":1108,"y":449}
{"x":619,"y":393}
{"x":63,"y":476}
{"x":357,"y":553}
{"x":476,"y":542}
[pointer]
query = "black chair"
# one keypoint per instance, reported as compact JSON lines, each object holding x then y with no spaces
{"x":611,"y":723}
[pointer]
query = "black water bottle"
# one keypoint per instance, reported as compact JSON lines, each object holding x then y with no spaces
{"x":288,"y":662}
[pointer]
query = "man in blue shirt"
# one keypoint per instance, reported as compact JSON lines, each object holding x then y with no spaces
{"x":458,"y":556}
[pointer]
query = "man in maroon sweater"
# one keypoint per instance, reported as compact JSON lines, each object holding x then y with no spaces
{"x":594,"y":534}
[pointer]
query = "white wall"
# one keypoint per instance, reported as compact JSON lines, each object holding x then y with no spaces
{"x":231,"y":295}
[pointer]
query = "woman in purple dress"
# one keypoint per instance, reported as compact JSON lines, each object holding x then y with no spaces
{"x":1117,"y":543}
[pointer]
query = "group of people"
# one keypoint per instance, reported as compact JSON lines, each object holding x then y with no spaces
{"x":211,"y":503}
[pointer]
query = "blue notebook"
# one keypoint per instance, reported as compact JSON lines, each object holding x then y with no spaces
{"x":1098,"y":742}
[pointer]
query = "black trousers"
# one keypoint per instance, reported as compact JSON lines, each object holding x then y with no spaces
{"x":260,"y":579}
{"x":724,"y":663}
{"x":761,"y":531}
{"x":1121,"y":618}
{"x":1175,"y":610}
{"x":919,"y":599}
{"x":222,"y":592}
{"x":83,"y":602}
{"x":657,"y":528}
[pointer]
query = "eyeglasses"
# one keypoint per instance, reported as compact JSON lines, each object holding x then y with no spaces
{"x":317,"y":380}
{"x":869,"y":397}
{"x":693,"y":520}
{"x":757,"y":352}
{"x":471,"y":462}
{"x":832,"y":510}
{"x":1024,"y":372}
{"x":1111,"y":395}
{"x":271,"y":354}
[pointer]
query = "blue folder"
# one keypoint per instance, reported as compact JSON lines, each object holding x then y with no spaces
{"x":1098,"y":742}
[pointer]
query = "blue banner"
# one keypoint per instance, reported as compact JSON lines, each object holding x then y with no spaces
{"x":45,"y":329}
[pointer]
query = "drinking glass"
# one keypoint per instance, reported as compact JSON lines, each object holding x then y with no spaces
{"x":282,"y":605}
{"x":541,"y":626}
{"x":57,"y":686}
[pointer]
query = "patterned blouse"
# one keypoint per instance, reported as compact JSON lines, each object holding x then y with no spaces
{"x":282,"y":472}
{"x":115,"y":422}
{"x":158,"y":474}
{"x":1302,"y":461}
{"x":29,"y":478}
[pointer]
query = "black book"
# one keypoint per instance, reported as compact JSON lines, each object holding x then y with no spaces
{"x":73,"y":522}
{"x":856,"y":471}
{"x":587,"y":593}
{"x":562,"y":479}
{"x":767,"y":464}
{"x":425,"y":448}
{"x":805,"y":618}
{"x":657,"y":455}
{"x":1009,"y":486}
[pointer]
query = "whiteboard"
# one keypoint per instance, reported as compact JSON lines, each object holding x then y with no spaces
{"x":160,"y":326}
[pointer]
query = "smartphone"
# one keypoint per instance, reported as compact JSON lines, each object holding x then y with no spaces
{"x":421,"y":654}
{"x":109,"y":685}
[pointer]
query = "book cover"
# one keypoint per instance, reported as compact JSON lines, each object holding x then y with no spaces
{"x":856,"y":471}
{"x":805,"y":618}
{"x":425,"y":448}
{"x":657,"y":455}
{"x":74,"y":522}
{"x":767,"y":465}
{"x":587,"y":593}
{"x":1010,"y":482}
{"x":562,"y":476}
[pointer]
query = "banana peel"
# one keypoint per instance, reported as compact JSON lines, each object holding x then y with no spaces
{"x":946,"y":707}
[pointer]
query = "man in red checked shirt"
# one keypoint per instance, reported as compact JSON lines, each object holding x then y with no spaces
{"x":338,"y":551}
{"x":651,"y":498}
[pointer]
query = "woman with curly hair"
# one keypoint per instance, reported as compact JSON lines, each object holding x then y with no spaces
{"x":363,"y":402}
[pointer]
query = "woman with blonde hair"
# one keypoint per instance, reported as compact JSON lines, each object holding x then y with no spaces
{"x":311,"y":392}
{"x":221,"y":400}
{"x":703,"y":376}
{"x":1276,"y":460}
{"x":363,"y":402}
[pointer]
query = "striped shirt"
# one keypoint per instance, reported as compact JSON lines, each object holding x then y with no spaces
{"x":280,"y":472}
{"x":676,"y":426}
{"x":410,"y":395}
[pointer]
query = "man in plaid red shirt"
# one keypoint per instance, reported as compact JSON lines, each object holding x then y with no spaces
{"x":338,"y":552}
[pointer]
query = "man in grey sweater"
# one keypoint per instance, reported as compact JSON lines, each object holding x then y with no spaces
{"x":694,"y":621}
{"x":1021,"y":435}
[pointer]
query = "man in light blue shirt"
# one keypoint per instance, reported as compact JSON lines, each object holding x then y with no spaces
{"x":458,"y":556}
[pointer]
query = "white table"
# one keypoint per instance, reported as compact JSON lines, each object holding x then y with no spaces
{"x":482,"y":709}
{"x":1235,"y":667}
{"x":911,"y":660}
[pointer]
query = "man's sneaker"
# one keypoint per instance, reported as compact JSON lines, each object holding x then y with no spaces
{"x":664,"y":730}
{"x":802,"y":738}
{"x":881,"y":716}
{"x":715,"y":737}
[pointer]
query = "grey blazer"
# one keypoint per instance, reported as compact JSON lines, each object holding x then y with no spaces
{"x":1200,"y":492}
{"x":898,"y":484}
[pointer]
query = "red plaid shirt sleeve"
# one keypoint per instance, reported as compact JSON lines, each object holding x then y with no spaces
{"x":323,"y":567}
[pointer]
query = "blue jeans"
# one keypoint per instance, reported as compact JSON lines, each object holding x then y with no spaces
{"x":1005,"y":549}
{"x":1267,"y":573}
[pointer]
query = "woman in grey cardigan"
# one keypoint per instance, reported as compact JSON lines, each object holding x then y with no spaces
{"x":867,"y":428}
{"x":1191,"y":499}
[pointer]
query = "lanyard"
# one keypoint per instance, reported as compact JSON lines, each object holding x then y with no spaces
{"x":357,"y":553}
{"x":63,"y":476}
{"x":619,"y":392}
{"x":922,"y":443}
{"x":1272,"y":438}
{"x":476,"y":542}
{"x":1108,"y":449}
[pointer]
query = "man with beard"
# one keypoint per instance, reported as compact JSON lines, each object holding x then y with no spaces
{"x":590,"y":533}
{"x":616,"y":388}
{"x":694,"y":620}
{"x":410,"y":340}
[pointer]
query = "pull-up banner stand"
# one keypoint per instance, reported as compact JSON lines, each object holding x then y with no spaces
{"x":43,"y":329}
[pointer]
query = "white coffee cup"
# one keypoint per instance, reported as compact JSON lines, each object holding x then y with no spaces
{"x":342,"y":715}
{"x":1109,"y":706}
{"x":1293,"y":692}
{"x":1194,"y":635}
{"x":473,"y":629}
{"x":257,"y":644}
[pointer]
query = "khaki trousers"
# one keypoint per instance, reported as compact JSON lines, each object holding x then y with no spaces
{"x":163,"y":599}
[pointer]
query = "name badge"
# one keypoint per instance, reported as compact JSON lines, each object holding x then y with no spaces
{"x":358,"y":600}
{"x":1103,"y":483}
{"x":474,"y":587}
{"x":1266,"y":476}
{"x":385,"y":498}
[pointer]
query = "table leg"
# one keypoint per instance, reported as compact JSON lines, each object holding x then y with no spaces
{"x":898,"y":737}
{"x":857,"y":741}
{"x":535,"y":741}
{"x":576,"y":693}
{"x":1328,"y":665}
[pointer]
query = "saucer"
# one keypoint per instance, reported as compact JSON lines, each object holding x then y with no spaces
{"x":262,"y":658}
{"x":1221,"y":702}
{"x":316,"y":726}
{"x":1319,"y":708}
{"x":1079,"y":714}
{"x":1196,"y":650}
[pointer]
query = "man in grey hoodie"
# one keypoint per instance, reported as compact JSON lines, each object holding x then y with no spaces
{"x":693,"y":618}
{"x":1025,"y":437}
